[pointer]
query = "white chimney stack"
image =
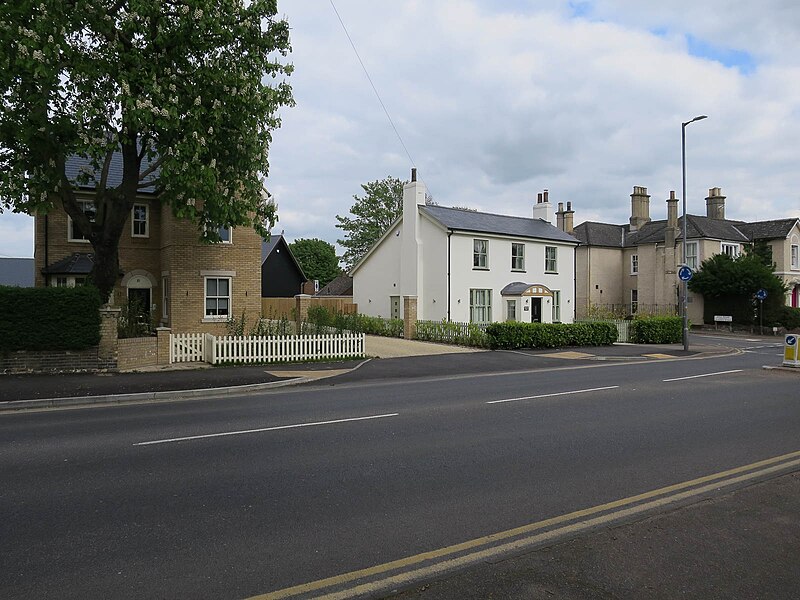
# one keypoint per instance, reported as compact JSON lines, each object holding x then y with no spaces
{"x":543,"y":209}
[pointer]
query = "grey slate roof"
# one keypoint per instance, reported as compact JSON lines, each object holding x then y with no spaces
{"x":465,"y":220}
{"x":78,"y":164}
{"x":18,"y":272}
{"x":620,"y":236}
{"x":77,"y":263}
{"x":341,"y":286}
{"x":768,"y":230}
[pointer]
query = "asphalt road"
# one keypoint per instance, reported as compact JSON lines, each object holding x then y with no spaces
{"x":233,"y":498}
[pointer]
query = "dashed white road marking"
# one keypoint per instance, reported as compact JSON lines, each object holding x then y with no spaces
{"x":704,"y":375}
{"x":610,"y":387}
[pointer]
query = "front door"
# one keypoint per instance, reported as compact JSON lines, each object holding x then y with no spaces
{"x":536,"y":310}
{"x":394,"y":301}
{"x":139,"y":302}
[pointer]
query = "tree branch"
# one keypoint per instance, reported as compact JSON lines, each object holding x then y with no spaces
{"x":150,"y":169}
{"x":104,"y":173}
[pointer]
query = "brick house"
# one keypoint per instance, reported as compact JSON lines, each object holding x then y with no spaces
{"x":633,"y":267}
{"x":187,"y":285}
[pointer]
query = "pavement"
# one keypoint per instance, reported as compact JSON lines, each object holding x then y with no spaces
{"x":390,"y":359}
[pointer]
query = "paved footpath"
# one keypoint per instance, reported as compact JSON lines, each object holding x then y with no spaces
{"x":742,"y":545}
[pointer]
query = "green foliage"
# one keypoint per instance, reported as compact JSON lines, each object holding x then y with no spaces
{"x":790,"y":318}
{"x":512,"y":334}
{"x":381,"y":205}
{"x":729,"y":285}
{"x":187,"y":93}
{"x":321,"y":316}
{"x":463,"y":334}
{"x":317,"y":258}
{"x":656,"y":330}
{"x":53,"y":318}
{"x":132,"y":322}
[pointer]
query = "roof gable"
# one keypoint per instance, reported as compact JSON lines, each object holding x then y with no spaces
{"x":277,"y":244}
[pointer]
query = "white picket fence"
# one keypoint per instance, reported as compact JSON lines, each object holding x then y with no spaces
{"x":186,"y":347}
{"x":268,"y":349}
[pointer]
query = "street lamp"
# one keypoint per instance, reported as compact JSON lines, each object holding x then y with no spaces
{"x":685,"y":282}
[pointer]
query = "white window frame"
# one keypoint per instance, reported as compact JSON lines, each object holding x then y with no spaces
{"x":634,"y":301}
{"x":71,"y":225}
{"x":146,"y":233}
{"x":729,"y":248}
{"x":480,"y":254}
{"x":551,"y":262}
{"x":518,"y":258}
{"x":795,"y":256}
{"x":556,"y":316}
{"x":634,"y":264}
{"x":229,"y":231}
{"x":67,"y":280}
{"x":692,"y":255}
{"x":511,"y":310}
{"x":206,"y":297}
{"x":480,"y":313}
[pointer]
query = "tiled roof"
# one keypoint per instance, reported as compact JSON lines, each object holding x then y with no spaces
{"x":17,"y":272}
{"x":619,"y":236}
{"x":768,"y":230}
{"x":78,"y":263}
{"x":341,"y":286}
{"x":465,"y":220}
{"x":79,"y":164}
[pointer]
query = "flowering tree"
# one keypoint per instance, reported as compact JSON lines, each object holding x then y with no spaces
{"x":186,"y":91}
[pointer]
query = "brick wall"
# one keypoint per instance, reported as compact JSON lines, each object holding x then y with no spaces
{"x":135,"y":353}
{"x":172,"y":250}
{"x":51,"y":361}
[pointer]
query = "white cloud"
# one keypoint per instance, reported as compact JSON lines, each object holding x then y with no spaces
{"x":496,"y":101}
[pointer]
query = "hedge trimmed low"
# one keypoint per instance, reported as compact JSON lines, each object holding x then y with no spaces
{"x":52,"y":318}
{"x":512,"y":335}
{"x":656,"y":330}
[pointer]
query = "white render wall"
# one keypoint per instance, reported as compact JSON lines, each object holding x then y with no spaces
{"x":432,"y":305}
{"x":499,"y":274}
{"x":378,"y":277}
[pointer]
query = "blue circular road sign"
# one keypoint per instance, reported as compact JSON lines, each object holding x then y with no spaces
{"x":791,"y":340}
{"x":761,"y":294}
{"x":685,"y":273}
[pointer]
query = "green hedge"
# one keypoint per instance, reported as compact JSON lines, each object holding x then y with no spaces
{"x":656,"y":330}
{"x":513,"y":335}
{"x":324,"y":317}
{"x":53,"y":318}
{"x":463,"y":334}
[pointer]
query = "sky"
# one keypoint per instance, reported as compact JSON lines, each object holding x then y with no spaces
{"x":496,"y":101}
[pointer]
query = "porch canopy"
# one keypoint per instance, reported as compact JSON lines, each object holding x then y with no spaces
{"x":519,"y":288}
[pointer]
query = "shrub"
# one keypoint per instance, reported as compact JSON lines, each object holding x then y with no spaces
{"x":790,"y":317}
{"x":656,"y":330}
{"x":513,"y":335}
{"x":52,"y":318}
{"x":132,"y":322}
{"x":464,"y":334}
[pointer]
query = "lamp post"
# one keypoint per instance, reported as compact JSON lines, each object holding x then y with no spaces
{"x":685,"y":283}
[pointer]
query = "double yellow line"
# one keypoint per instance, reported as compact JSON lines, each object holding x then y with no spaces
{"x":460,"y":555}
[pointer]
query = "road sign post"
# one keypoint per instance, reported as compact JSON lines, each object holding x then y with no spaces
{"x":761,"y":295}
{"x":685,"y":274}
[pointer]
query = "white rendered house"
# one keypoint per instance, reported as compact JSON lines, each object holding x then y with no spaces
{"x":467,"y":266}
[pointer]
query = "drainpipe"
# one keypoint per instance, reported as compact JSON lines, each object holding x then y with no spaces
{"x":574,"y":282}
{"x":46,"y":261}
{"x":449,"y":233}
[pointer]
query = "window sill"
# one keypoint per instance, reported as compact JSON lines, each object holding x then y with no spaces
{"x":551,"y":272}
{"x":634,"y":274}
{"x":480,"y":268}
{"x":518,"y":271}
{"x":222,"y":319}
{"x":73,"y":241}
{"x":139,"y":236}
